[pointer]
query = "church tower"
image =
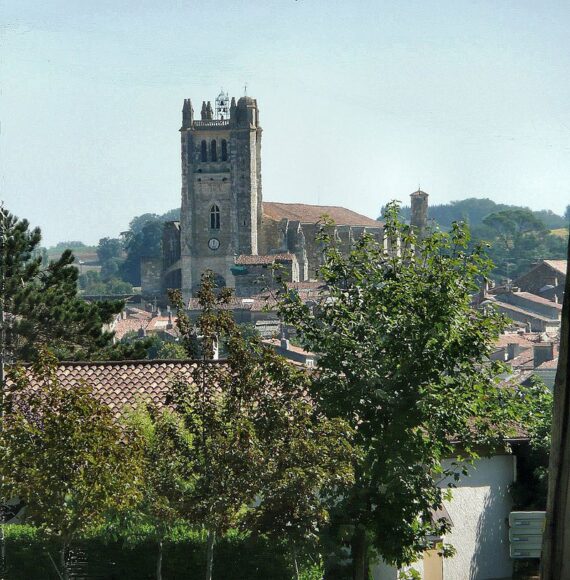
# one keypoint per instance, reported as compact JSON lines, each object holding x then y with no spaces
{"x":221,"y":188}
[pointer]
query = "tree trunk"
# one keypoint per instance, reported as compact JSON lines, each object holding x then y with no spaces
{"x":210,"y":554}
{"x":63,"y":561}
{"x":555,"y":562}
{"x":359,"y":554}
{"x":159,"y":561}
{"x":295,"y":563}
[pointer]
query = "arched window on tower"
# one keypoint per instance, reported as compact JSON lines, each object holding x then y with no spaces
{"x":204,"y":151}
{"x":224,"y":150}
{"x":215,"y":217}
{"x":213,"y":150}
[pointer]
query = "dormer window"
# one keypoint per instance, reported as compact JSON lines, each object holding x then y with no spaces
{"x":214,"y":217}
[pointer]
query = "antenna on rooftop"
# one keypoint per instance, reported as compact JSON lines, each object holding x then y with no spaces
{"x":245,"y":90}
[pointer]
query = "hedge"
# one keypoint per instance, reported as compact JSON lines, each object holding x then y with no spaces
{"x":236,"y":557}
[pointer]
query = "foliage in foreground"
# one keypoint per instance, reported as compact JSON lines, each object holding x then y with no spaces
{"x":42,"y":304}
{"x":238,"y":556}
{"x":264,"y":457}
{"x":404,"y":360}
{"x":63,"y":453}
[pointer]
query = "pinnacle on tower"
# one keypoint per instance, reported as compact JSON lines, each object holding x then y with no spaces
{"x":204,"y":112}
{"x":187,"y":114}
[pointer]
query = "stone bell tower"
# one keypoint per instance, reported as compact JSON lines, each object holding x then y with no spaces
{"x":221,"y":188}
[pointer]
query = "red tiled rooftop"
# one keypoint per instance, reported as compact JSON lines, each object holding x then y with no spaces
{"x":312,"y":214}
{"x":120,"y":384}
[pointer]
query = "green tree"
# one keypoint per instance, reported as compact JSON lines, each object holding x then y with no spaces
{"x":42,"y":304}
{"x":518,"y":239}
{"x":257,"y":433}
{"x":404,"y":360}
{"x":167,"y":480}
{"x":143,"y":240}
{"x":63,"y":453}
{"x":91,"y":283}
{"x":510,"y":225}
{"x":109,"y":252}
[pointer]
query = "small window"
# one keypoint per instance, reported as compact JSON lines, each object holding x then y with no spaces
{"x":213,"y":150}
{"x":224,"y":150}
{"x":215,"y":217}
{"x":204,"y":151}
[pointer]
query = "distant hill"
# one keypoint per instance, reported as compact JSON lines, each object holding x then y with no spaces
{"x":474,"y":210}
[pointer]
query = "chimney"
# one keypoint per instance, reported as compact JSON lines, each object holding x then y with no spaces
{"x":284,"y":344}
{"x":543,"y":352}
{"x":419,"y":205}
{"x":169,"y":324}
{"x":513,"y":350}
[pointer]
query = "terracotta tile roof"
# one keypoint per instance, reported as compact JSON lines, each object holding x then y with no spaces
{"x":245,"y":260}
{"x":524,"y":340}
{"x":558,"y":265}
{"x":258,"y":302}
{"x":133,"y":323}
{"x":311,"y":214}
{"x":123,"y":383}
{"x":549,"y":364}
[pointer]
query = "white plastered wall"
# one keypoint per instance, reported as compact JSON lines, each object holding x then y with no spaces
{"x":479,"y":510}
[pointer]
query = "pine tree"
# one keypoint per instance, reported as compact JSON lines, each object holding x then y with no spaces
{"x":41,"y":303}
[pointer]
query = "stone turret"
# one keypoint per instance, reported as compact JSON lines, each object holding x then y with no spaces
{"x":247,"y":113}
{"x":419,"y":205}
{"x":187,"y":114}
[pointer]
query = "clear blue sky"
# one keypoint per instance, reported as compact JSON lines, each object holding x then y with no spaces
{"x":360,"y":102}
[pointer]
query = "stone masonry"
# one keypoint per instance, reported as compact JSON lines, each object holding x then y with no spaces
{"x":224,"y":221}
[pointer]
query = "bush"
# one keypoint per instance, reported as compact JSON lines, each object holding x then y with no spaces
{"x":236,"y":557}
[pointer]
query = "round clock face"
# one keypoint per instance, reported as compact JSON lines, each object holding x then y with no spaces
{"x":213,"y":243}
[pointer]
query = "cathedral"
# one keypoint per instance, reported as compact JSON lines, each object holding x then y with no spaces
{"x":225,"y":226}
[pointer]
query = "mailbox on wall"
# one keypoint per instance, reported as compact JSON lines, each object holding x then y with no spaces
{"x":525,"y":534}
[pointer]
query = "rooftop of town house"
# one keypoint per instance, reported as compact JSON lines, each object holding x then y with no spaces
{"x":276,"y":342}
{"x":311,"y":214}
{"x":534,"y":298}
{"x":122,"y":384}
{"x":247,"y":260}
{"x":558,"y":265}
{"x":518,"y":309}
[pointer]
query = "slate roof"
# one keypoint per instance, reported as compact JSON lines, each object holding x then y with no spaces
{"x":246,"y":260}
{"x":121,"y":384}
{"x":311,"y":214}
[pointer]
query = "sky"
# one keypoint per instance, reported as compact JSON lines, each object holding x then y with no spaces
{"x":360,"y":102}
